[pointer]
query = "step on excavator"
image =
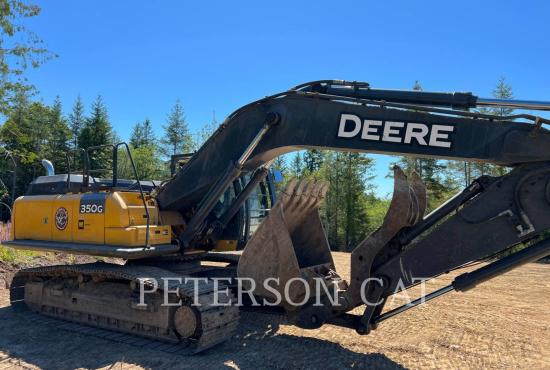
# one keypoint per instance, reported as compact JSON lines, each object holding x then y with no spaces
{"x":176,"y":229}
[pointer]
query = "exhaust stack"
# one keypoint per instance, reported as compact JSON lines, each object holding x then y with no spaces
{"x":48,"y":165}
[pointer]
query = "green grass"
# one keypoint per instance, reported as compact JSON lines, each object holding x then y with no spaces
{"x":11,"y":255}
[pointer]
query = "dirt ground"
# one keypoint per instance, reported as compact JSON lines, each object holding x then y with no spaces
{"x":504,"y":323}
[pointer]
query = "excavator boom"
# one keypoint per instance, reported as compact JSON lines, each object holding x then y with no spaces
{"x":307,"y":118}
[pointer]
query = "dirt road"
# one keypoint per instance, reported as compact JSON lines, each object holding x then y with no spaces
{"x":504,"y":323}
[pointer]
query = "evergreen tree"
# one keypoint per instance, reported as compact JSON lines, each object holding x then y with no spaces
{"x":115,"y":138}
{"x":297,"y":166}
{"x":503,"y":91}
{"x":145,"y":152}
{"x":280,"y":165}
{"x":313,"y":160}
{"x":142,"y":134}
{"x":136,"y":136}
{"x":97,"y":131}
{"x":148,"y":133}
{"x":58,"y":136}
{"x":345,"y":210}
{"x":177,"y":138}
{"x":76,"y":121}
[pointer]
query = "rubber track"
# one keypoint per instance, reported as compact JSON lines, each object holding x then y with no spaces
{"x":210,"y":337}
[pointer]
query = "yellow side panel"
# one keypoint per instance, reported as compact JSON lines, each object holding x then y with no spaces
{"x":90,"y":227}
{"x":32,"y":218}
{"x":136,"y":210}
{"x":124,"y":209}
{"x":134,"y":236}
{"x":64,"y":218}
{"x":226,"y":245}
{"x":116,"y":211}
{"x":115,"y":218}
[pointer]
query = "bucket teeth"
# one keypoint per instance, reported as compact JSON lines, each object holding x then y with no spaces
{"x":303,"y":193}
{"x":408,"y":203}
{"x":406,"y":208}
{"x":290,"y":242}
{"x":299,"y":198}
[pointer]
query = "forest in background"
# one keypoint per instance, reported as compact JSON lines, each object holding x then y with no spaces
{"x":32,"y":130}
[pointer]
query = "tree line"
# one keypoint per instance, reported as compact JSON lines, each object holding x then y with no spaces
{"x":33,"y":130}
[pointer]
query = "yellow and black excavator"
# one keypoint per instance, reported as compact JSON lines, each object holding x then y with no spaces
{"x":168,"y":230}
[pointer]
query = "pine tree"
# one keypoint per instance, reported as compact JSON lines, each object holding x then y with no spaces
{"x":177,"y":138}
{"x":76,"y":121}
{"x":313,"y":160}
{"x":142,"y":134}
{"x":297,"y":166}
{"x":280,"y":165}
{"x":136,"y":136}
{"x":148,"y":133}
{"x":58,"y":136}
{"x":503,"y":91}
{"x":345,"y":210}
{"x":97,"y":131}
{"x":145,"y":152}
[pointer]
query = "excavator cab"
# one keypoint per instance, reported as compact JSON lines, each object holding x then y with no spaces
{"x":253,"y":211}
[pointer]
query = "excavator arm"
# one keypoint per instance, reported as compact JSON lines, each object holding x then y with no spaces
{"x":488,"y":217}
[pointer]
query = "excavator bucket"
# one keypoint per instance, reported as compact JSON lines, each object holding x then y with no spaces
{"x":290,"y":243}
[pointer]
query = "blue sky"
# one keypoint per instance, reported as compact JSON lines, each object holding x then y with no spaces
{"x":219,"y":55}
